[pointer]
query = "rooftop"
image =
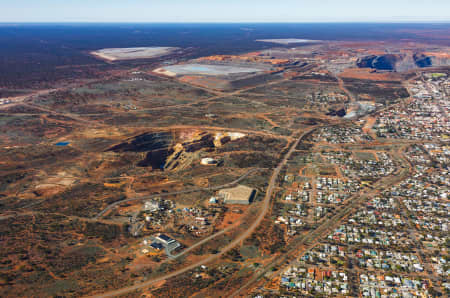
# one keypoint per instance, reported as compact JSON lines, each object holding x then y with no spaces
{"x":240,"y":194}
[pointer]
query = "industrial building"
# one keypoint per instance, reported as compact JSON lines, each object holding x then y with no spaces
{"x":241,"y":194}
{"x":161,"y":241}
{"x":165,"y":240}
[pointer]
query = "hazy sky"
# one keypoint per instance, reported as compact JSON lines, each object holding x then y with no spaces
{"x":223,"y":10}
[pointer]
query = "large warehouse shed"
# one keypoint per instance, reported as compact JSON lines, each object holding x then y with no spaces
{"x":241,"y":194}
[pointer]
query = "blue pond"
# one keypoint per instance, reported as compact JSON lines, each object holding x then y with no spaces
{"x":62,"y":144}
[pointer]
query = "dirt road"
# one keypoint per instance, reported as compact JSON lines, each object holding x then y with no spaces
{"x":344,"y":89}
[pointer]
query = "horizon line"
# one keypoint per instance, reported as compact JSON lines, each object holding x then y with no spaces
{"x":394,"y":21}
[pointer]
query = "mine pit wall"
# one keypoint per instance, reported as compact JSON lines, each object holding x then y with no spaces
{"x":156,"y":159}
{"x":161,"y":150}
{"x":207,"y":141}
{"x":158,"y":147}
{"x":145,"y":142}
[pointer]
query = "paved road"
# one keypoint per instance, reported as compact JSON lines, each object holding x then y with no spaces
{"x":115,"y":204}
{"x":264,"y":209}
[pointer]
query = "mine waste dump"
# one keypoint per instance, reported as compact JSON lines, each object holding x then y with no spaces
{"x":169,"y":150}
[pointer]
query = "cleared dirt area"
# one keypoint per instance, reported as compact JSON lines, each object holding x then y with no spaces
{"x":370,"y":74}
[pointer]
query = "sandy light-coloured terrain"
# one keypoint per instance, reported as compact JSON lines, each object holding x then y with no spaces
{"x":205,"y":69}
{"x":116,"y":54}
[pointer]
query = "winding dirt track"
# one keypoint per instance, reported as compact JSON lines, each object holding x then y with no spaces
{"x":345,"y":90}
{"x":264,"y":209}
